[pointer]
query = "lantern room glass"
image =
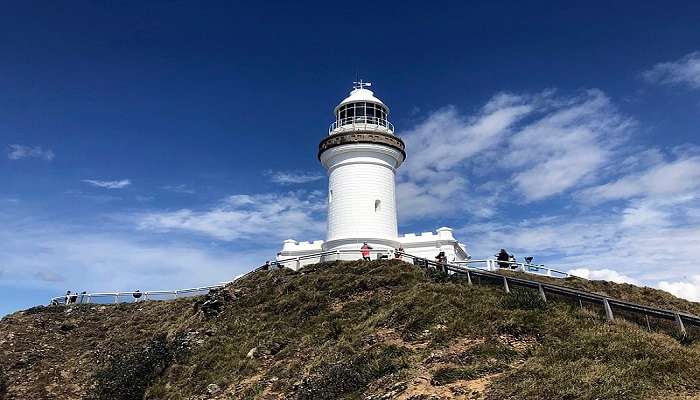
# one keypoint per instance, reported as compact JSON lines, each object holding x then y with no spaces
{"x":361,"y":112}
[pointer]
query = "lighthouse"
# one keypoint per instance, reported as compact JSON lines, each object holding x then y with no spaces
{"x":361,"y":154}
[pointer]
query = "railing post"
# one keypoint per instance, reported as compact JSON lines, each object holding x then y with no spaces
{"x":549,"y":272}
{"x":298,"y":264}
{"x":116,"y":298}
{"x":681,"y":326}
{"x":608,"y":310}
{"x":541,"y":290}
{"x":505,"y":285}
{"x":469,"y":278}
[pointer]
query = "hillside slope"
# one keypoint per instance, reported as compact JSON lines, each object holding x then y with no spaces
{"x":355,"y":330}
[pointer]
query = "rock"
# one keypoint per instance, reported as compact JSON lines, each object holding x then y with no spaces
{"x":252,"y":352}
{"x":213,"y":388}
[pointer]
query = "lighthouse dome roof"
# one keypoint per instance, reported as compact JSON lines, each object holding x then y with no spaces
{"x":360,"y":95}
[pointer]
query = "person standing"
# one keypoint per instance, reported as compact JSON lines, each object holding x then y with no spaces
{"x":365,"y":251}
{"x":503,"y":257}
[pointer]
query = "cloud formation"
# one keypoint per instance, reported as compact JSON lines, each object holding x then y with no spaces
{"x":294,"y":177}
{"x":687,"y":288}
{"x":57,"y":256}
{"x":684,"y":71}
{"x":604,"y":275}
{"x":18,"y":152}
{"x":249,"y":217}
{"x":664,"y":178}
{"x":181,"y":188}
{"x":109,"y":184}
{"x":532,"y":147}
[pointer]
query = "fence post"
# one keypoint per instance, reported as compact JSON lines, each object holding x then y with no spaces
{"x":541,"y":290}
{"x":505,"y":285}
{"x":681,"y":326}
{"x":469,"y":278}
{"x":298,"y":264}
{"x":608,"y":310}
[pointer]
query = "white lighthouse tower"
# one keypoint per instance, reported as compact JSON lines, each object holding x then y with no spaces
{"x":361,"y":155}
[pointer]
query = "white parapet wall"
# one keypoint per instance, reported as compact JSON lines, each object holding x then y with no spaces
{"x":430,"y":244}
{"x":295,"y":254}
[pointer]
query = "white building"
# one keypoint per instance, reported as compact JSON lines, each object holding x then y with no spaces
{"x":361,"y":154}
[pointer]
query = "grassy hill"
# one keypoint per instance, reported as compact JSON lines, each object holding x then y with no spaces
{"x":354,"y":330}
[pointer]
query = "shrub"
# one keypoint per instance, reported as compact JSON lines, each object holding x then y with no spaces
{"x":129,"y":374}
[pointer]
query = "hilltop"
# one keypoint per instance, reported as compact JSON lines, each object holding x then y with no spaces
{"x":355,"y":330}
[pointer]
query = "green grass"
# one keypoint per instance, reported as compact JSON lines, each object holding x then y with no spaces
{"x":343,"y":330}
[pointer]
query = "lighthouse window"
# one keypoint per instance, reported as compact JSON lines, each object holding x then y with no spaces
{"x":360,"y":109}
{"x":377,"y":205}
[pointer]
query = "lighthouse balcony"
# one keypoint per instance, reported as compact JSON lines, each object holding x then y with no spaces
{"x":365,"y":123}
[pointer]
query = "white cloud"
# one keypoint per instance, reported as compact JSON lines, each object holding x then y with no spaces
{"x":604,"y":275}
{"x":46,"y":255}
{"x":109,"y":184}
{"x":565,"y":147}
{"x":294,"y":177}
{"x":270,"y":216}
{"x":684,"y":71}
{"x":663,"y":179}
{"x":648,"y":239}
{"x":536,"y":146}
{"x":182,"y":188}
{"x":688,"y":289}
{"x":18,"y":152}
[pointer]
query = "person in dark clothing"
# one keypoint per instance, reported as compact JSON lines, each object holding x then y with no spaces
{"x":365,"y":251}
{"x":74,"y":297}
{"x":441,"y":259}
{"x":137,"y":295}
{"x":503,"y":257}
{"x":398,"y":253}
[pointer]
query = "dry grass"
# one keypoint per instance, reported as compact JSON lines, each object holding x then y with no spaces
{"x":347,"y":330}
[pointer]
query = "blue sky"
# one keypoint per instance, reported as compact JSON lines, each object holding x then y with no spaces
{"x":158,"y":145}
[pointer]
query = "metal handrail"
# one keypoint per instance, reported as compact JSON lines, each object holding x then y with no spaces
{"x":361,"y":123}
{"x":492,"y":265}
{"x":88,"y":298}
{"x":680,"y":318}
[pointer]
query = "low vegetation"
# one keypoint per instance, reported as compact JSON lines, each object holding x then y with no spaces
{"x":353,"y":330}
